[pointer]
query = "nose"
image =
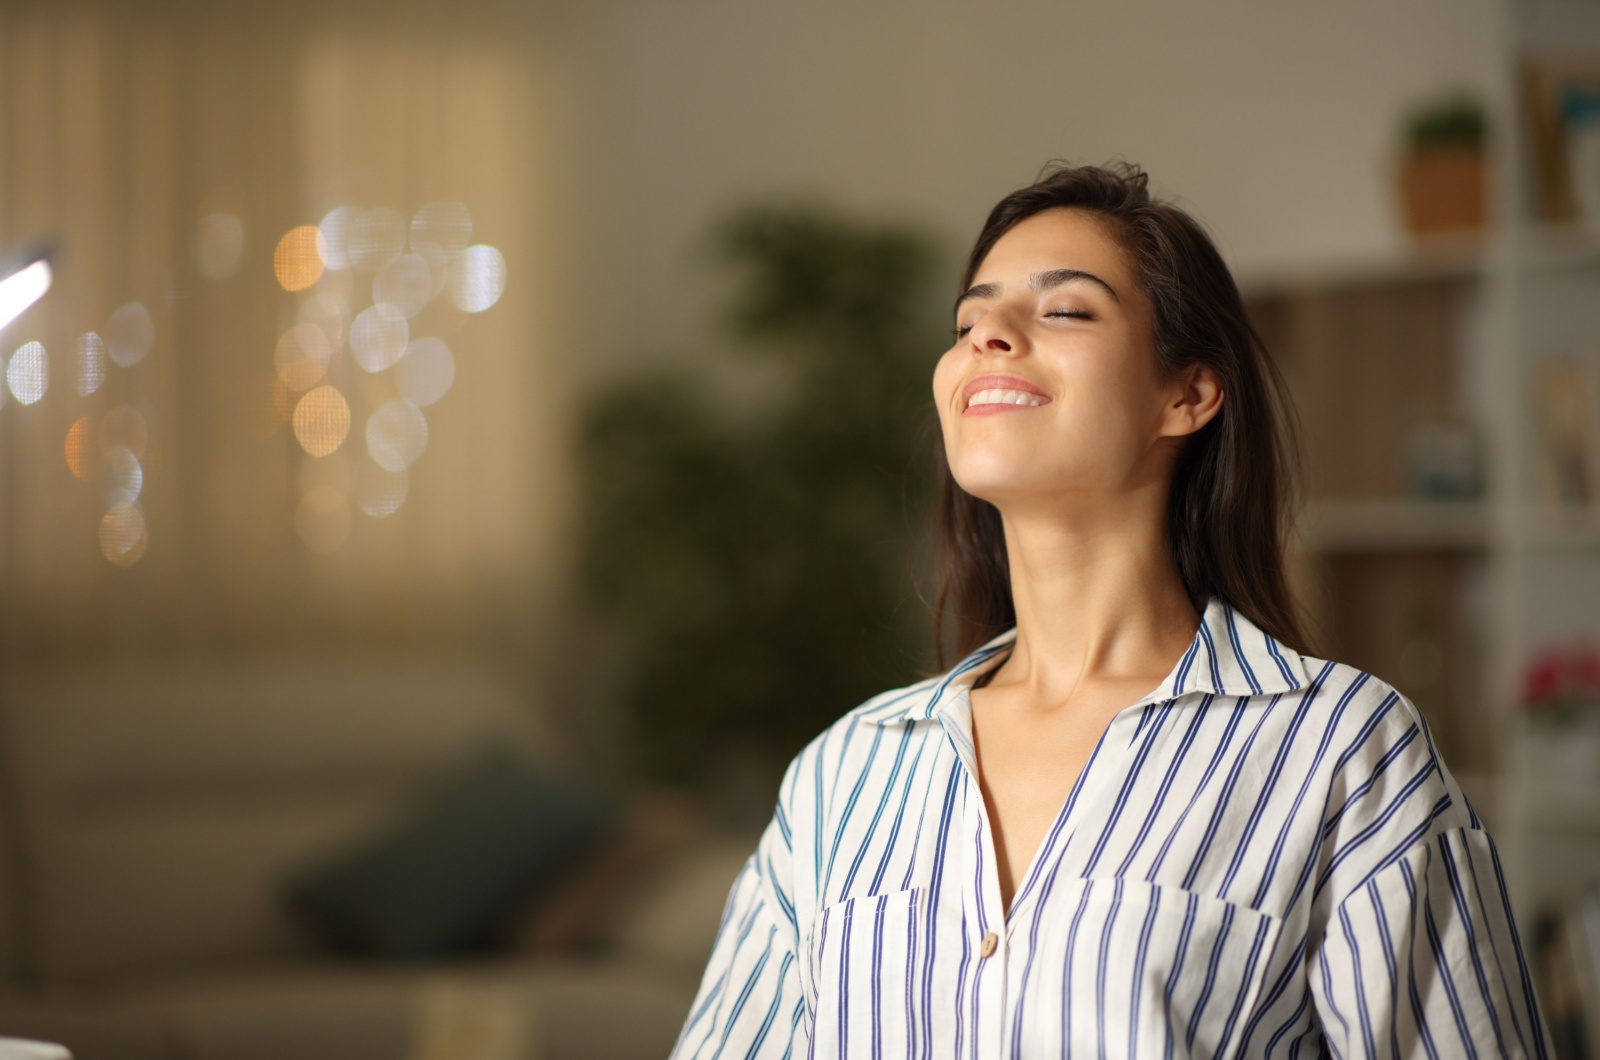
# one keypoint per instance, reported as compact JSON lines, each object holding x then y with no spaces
{"x":996,"y":332}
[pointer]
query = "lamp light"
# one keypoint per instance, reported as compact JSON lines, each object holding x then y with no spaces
{"x":23,"y":281}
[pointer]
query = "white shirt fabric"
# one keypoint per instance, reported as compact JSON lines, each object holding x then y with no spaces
{"x":1264,"y":857}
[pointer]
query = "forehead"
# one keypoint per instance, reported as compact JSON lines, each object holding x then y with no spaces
{"x":1057,"y":238}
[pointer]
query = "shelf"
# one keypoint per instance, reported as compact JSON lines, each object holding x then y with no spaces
{"x":1557,"y":248}
{"x":1419,"y":260}
{"x":1538,"y":248}
{"x":1552,"y":529}
{"x":1394,"y":526}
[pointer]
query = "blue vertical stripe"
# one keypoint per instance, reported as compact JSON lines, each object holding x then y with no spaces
{"x":1262,"y":857}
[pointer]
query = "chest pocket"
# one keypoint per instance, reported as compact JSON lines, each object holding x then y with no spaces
{"x":867,"y":972}
{"x":1128,"y":968}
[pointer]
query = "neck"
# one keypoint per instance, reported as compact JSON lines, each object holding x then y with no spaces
{"x":1097,"y":595}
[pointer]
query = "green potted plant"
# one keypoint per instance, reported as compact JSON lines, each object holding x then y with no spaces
{"x":758,"y":565}
{"x":1443,"y":170}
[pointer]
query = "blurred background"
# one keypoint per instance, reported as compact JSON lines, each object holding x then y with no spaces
{"x":466,"y":449}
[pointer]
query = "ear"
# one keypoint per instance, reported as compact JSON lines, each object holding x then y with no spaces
{"x":1194,"y":397}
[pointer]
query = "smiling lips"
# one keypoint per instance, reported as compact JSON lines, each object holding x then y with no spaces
{"x":990,"y":394}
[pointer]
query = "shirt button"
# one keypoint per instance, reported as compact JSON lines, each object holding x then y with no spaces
{"x":986,"y":947}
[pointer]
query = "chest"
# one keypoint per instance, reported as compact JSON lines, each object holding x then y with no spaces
{"x":1169,"y":879}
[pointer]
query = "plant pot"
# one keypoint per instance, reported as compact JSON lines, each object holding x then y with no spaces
{"x":1442,"y":189}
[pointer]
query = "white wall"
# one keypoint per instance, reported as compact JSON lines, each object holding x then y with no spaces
{"x":1274,"y":121}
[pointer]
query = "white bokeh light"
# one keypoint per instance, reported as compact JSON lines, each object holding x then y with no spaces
{"x":378,"y":337}
{"x":91,"y":363}
{"x":28,"y":373}
{"x":124,"y":477}
{"x":426,"y":373}
{"x":123,"y":535}
{"x":405,"y":283}
{"x":380,"y":492}
{"x":397,"y":434}
{"x":336,"y":237}
{"x":477,"y":278}
{"x":446,"y":225}
{"x":129,"y":334}
{"x":375,"y":237}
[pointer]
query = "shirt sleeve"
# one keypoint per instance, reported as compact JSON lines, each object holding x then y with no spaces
{"x":1423,"y":959}
{"x":751,"y":1002}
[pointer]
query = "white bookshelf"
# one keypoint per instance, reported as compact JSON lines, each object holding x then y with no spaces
{"x":1530,"y":290}
{"x":1540,"y":296}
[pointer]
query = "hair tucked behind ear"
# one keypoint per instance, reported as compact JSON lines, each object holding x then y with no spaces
{"x":1232,"y":486}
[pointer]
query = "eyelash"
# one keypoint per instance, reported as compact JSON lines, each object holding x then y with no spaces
{"x":1076,"y":314}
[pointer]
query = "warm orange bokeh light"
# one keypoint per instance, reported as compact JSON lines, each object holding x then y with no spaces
{"x":321,"y":420}
{"x":298,"y":259}
{"x":77,"y":448}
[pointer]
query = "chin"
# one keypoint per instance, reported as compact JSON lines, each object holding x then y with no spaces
{"x":994,"y":480}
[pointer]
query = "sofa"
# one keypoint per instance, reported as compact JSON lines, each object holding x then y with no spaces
{"x":153,"y":810}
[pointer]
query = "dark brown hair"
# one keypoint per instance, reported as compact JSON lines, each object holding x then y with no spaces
{"x":1232,"y":485}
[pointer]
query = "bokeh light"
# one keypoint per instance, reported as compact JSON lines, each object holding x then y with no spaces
{"x":79,"y":448}
{"x":378,"y":337}
{"x":405,"y":283}
{"x":91,"y":363}
{"x":218,"y":245}
{"x":301,"y":356}
{"x":397,"y":434}
{"x":322,"y":519}
{"x":438,"y":267}
{"x":374,"y":238}
{"x":298,"y":260}
{"x":123,"y":536}
{"x":426,"y":372}
{"x":446,"y":225}
{"x":330,"y":313}
{"x":321,"y":420}
{"x":379,"y":491}
{"x":130,"y":333}
{"x":335,"y":229}
{"x":124,"y":477}
{"x":124,"y":425}
{"x":28,"y":374}
{"x":477,"y":278}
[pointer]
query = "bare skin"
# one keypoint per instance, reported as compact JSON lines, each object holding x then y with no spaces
{"x":1080,"y":474}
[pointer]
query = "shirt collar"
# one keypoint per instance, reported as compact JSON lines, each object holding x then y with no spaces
{"x":1229,"y":656}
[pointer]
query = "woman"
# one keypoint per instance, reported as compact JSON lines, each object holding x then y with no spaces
{"x":1137,"y":818}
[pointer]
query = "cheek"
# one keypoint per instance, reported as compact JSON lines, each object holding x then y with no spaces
{"x":946,"y":374}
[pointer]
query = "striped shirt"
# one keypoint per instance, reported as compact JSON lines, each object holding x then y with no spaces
{"x":1264,"y":857}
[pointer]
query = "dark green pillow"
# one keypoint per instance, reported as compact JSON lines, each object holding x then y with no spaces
{"x":447,"y":878}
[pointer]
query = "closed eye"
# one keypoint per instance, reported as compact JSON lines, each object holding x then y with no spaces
{"x":1074,"y":314}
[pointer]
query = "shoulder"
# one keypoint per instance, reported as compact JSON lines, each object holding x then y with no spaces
{"x":1386,"y":787}
{"x":847,"y":746}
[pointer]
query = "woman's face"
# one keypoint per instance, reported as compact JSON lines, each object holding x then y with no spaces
{"x":1051,"y":390}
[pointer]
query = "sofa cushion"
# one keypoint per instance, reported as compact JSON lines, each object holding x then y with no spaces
{"x":449,"y":876}
{"x":164,"y":841}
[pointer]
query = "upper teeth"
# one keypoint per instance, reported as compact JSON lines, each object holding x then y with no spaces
{"x":1004,"y":397}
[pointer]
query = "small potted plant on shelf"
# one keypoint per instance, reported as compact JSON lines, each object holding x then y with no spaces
{"x":1442,"y":173}
{"x":1561,"y":704}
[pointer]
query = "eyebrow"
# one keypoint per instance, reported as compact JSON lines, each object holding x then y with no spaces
{"x":1040,"y":281}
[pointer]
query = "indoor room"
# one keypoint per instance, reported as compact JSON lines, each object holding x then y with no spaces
{"x":454,"y":457}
